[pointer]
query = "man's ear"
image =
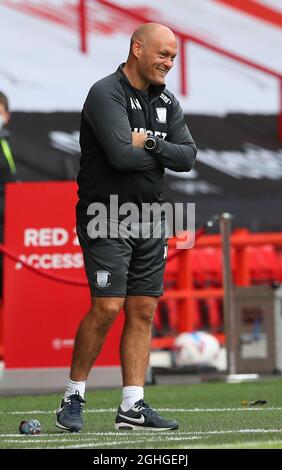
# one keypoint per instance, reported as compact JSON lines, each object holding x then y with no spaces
{"x":137,"y":49}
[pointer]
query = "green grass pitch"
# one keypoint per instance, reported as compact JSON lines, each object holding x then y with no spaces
{"x":210,"y":416}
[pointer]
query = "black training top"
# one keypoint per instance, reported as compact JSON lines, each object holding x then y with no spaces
{"x":110,"y":164}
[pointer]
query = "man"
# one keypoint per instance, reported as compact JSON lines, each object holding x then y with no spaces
{"x":7,"y":167}
{"x":132,"y":128}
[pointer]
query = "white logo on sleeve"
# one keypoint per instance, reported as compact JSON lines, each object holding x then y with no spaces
{"x":135,"y":103}
{"x":161,"y":112}
{"x":102,"y":278}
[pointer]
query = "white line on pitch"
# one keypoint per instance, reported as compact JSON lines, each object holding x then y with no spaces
{"x":169,"y":410}
{"x":166,"y":435}
{"x":113,"y":443}
{"x":138,"y":433}
{"x":237,"y":445}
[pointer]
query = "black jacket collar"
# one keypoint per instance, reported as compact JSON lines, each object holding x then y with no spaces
{"x":155,"y":90}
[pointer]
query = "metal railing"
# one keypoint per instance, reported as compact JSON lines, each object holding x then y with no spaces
{"x":183,"y":40}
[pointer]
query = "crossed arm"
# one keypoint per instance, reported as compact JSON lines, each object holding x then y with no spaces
{"x":107,"y":114}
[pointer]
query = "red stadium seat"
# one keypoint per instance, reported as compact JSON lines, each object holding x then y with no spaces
{"x":264,"y":264}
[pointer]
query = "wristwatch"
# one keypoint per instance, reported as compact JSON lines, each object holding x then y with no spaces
{"x":150,"y":143}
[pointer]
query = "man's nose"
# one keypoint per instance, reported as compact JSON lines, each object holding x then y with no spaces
{"x":168,"y":63}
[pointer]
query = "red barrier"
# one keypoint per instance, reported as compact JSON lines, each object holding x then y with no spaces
{"x":41,"y":316}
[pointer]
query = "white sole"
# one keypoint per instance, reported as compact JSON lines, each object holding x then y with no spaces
{"x":132,"y":427}
{"x":62,"y":428}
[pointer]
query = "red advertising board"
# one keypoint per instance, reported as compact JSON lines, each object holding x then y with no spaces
{"x":41,"y":315}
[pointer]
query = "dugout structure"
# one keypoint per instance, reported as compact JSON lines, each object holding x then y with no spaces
{"x":258,"y":329}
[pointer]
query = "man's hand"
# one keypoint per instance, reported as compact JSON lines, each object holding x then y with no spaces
{"x":138,"y":139}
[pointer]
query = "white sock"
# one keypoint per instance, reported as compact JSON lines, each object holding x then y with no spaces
{"x":74,"y":387}
{"x":130,"y":395}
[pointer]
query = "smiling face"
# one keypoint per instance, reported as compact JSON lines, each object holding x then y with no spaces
{"x":155,"y":54}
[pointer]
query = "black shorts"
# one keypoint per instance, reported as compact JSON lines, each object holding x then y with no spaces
{"x":117,"y":267}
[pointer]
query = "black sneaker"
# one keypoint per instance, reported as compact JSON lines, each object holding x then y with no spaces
{"x":142,"y":416}
{"x":69,"y":416}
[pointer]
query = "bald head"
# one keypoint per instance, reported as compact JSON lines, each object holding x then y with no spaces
{"x":153,"y":48}
{"x":148,"y":32}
